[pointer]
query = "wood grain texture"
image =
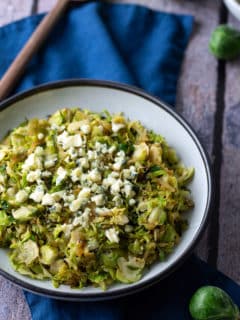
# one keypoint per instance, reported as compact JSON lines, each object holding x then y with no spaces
{"x":11,"y":10}
{"x":229,"y":239}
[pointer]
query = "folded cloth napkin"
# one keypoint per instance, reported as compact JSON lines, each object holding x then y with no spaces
{"x":167,"y":300}
{"x":124,"y":43}
{"x":130,"y":44}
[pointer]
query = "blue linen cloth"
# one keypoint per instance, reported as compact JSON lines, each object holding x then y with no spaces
{"x":130,"y":44}
{"x":124,"y":43}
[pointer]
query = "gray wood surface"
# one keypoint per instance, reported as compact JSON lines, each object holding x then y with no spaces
{"x":198,"y":101}
{"x":229,"y":239}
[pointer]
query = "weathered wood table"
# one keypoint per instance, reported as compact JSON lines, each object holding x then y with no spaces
{"x":209,"y":98}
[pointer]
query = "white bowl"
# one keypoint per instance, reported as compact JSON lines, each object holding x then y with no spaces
{"x":234,"y":7}
{"x":136,"y":105}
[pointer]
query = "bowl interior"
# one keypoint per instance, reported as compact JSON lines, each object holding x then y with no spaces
{"x":97,"y":97}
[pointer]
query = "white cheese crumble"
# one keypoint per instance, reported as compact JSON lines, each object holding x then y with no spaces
{"x":37,"y":194}
{"x":21,"y":196}
{"x":61,"y":175}
{"x":76,"y":174}
{"x":112,"y":235}
{"x":33,"y":176}
{"x":29,"y":162}
{"x":67,"y":141}
{"x":98,"y":199}
{"x":132,"y":202}
{"x":116,"y":187}
{"x":117,"y":126}
{"x":40,"y":136}
{"x":85,"y":128}
{"x":48,"y":200}
{"x":50,"y":160}
{"x":95,"y":175}
{"x":82,"y":198}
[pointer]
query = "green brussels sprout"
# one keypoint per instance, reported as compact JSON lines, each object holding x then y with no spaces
{"x":130,"y":270}
{"x":211,"y":302}
{"x":225,"y":43}
{"x":48,"y":254}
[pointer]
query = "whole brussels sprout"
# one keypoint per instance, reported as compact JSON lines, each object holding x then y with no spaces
{"x":212,"y":303}
{"x":225,"y":42}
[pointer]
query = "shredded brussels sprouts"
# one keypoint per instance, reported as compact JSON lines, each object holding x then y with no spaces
{"x":89,"y":199}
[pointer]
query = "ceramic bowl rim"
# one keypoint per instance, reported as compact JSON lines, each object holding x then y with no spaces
{"x":80,"y":296}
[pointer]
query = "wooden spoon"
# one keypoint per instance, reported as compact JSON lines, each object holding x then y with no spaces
{"x":16,"y":69}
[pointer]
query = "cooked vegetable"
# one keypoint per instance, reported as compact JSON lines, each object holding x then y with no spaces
{"x":210,"y":303}
{"x":89,"y":199}
{"x":225,"y":42}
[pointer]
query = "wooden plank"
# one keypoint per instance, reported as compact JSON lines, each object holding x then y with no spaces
{"x":13,"y":10}
{"x":229,"y":240}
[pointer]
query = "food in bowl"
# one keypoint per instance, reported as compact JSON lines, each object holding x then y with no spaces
{"x":90,"y":198}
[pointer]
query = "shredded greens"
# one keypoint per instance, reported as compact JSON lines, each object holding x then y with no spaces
{"x":89,"y":198}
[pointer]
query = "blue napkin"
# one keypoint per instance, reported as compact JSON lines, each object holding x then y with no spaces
{"x":130,"y":44}
{"x":167,"y":300}
{"x":124,"y":43}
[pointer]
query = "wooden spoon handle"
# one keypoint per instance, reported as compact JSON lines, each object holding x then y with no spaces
{"x":16,"y":69}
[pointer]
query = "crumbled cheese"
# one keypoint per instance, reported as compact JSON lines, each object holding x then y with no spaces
{"x":118,"y":200}
{"x":57,"y":207}
{"x":112,"y":149}
{"x":86,"y":128}
{"x":61,"y":175}
{"x":75,"y":205}
{"x":117,"y":126}
{"x":29,"y":162}
{"x":132,"y":202}
{"x":82,"y":198}
{"x":21,"y":196}
{"x":92,"y":155}
{"x":102,"y":211}
{"x":40,"y":136}
{"x":72,"y":152}
{"x":46,"y":174}
{"x":83,"y":219}
{"x":83,"y":162}
{"x":128,"y":189}
{"x":98,"y":199}
{"x":117,"y":166}
{"x":84,"y":193}
{"x":48,"y":200}
{"x":33,"y":175}
{"x":37,"y":194}
{"x":76,"y":174}
{"x":74,"y":126}
{"x":39,"y":151}
{"x":50,"y":160}
{"x":112,"y":235}
{"x":67,"y":141}
{"x":94,"y":175}
{"x":116,"y":186}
